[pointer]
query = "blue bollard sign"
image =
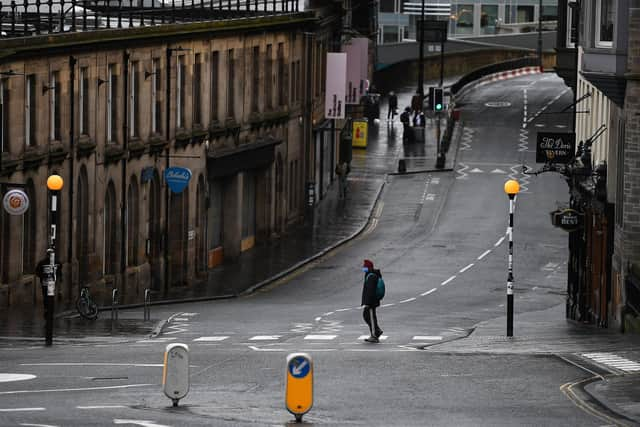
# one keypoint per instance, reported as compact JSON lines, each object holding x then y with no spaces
{"x":177,"y":178}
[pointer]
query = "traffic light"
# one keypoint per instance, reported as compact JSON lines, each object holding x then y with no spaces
{"x":431,"y":97}
{"x":438,"y":99}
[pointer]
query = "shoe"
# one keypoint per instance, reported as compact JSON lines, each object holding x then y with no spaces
{"x":379,"y":333}
{"x":372,"y":339}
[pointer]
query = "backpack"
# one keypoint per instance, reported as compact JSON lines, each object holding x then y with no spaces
{"x":379,"y":288}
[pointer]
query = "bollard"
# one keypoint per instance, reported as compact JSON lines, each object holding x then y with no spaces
{"x":299,"y":384}
{"x":175,"y":373}
{"x":402,"y":166}
{"x":114,"y":305}
{"x":147,"y":306}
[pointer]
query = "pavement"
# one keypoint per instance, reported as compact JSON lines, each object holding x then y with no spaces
{"x":614,"y":388}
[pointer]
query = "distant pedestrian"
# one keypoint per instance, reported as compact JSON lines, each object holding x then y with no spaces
{"x":342,"y":170}
{"x":393,"y":106}
{"x":370,"y":300}
{"x":405,"y":119}
{"x":419,"y":119}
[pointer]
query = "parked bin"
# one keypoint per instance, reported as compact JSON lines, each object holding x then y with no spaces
{"x":359,"y":135}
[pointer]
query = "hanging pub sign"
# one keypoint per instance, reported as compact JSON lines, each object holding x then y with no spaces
{"x":15,"y":202}
{"x":177,"y":178}
{"x":554,"y":147}
{"x":567,"y":219}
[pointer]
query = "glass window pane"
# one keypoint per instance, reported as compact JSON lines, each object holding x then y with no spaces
{"x":606,"y":21}
{"x":390,"y":34}
{"x":525,"y":14}
{"x":488,"y":19}
{"x":463,"y":19}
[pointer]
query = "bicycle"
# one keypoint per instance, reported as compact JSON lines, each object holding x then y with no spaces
{"x":86,"y":306}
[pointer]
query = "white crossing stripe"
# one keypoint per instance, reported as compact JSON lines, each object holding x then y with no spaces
{"x":614,"y":361}
{"x":424,"y":294}
{"x":487,"y":252}
{"x":320,"y":337}
{"x":407,"y":300}
{"x":211,"y":339}
{"x":21,"y":409}
{"x":426,"y":338}
{"x":265,"y":338}
{"x":381,"y":337}
{"x":466,"y":268}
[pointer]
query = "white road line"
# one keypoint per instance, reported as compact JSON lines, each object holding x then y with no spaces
{"x":407,"y":300}
{"x":426,"y":338}
{"x":447,"y":281}
{"x":388,"y":305}
{"x":265,"y":338}
{"x":22,"y":409}
{"x":210,"y":339}
{"x":499,"y":242}
{"x":317,"y":319}
{"x":137,"y":365}
{"x":343,"y":309}
{"x":37,"y":425}
{"x":381,"y":337}
{"x":254,"y":348}
{"x":320,"y":337}
{"x":75,"y":389}
{"x":487,"y":252}
{"x":424,"y":294}
{"x":466,"y":268}
{"x":102,"y":407}
{"x":328,"y":313}
{"x":6,"y":378}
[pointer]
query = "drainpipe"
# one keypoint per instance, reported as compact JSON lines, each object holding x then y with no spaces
{"x":166,"y":159}
{"x":125,"y":145}
{"x":72,"y":96}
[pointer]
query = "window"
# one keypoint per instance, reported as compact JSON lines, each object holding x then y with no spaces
{"x":215,"y":73}
{"x":488,"y":18}
{"x":572,"y":21}
{"x":197,"y":87}
{"x":605,"y":15}
{"x":201,"y":227}
{"x":110,"y":230}
{"x":388,"y":6}
{"x":549,"y":13}
{"x":180,"y":92}
{"x":294,"y":80}
{"x":464,"y":19}
{"x":4,"y":115}
{"x":30,"y":111}
{"x":525,"y":14}
{"x":156,"y":88}
{"x":390,"y":34}
{"x":318,"y":54}
{"x":155,"y":232}
{"x":83,"y":101}
{"x":29,"y":232}
{"x":255,"y":71}
{"x":215,"y":232}
{"x":134,"y":100}
{"x":268,"y":79}
{"x":112,"y":104}
{"x":230,"y":84}
{"x":281,"y":75}
{"x":619,"y":219}
{"x":82,"y":226}
{"x":133,"y":219}
{"x":248,"y":205}
{"x":54,"y":108}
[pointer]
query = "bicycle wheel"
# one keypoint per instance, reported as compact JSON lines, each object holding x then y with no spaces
{"x":87,"y":308}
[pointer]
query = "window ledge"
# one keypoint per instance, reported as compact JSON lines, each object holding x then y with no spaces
{"x":86,"y":146}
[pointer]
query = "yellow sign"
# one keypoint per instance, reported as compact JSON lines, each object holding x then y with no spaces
{"x":359,"y":134}
{"x":299,"y":384}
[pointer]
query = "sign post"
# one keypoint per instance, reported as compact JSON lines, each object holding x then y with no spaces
{"x":299,"y":384}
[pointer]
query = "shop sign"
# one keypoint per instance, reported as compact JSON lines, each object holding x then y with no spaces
{"x":557,"y":148}
{"x":177,"y":178}
{"x":15,"y":202}
{"x":567,"y":219}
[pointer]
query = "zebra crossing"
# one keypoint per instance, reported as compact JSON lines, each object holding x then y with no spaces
{"x":611,"y":360}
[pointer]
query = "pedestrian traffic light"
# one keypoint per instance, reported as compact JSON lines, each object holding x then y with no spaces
{"x":438,"y":99}
{"x":431,"y":97}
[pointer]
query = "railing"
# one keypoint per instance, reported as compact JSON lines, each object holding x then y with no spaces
{"x":24,"y":18}
{"x":490,"y":69}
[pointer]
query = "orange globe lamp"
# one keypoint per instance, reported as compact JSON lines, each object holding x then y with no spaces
{"x":55,"y":183}
{"x":511,"y":187}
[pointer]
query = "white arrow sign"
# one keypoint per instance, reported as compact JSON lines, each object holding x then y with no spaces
{"x":297,"y":370}
{"x":476,"y":170}
{"x":498,"y":171}
{"x":142,"y":423}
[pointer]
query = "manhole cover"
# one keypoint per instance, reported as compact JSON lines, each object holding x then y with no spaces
{"x":498,"y":104}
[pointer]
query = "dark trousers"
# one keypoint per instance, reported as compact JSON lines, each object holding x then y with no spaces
{"x":369,"y":315}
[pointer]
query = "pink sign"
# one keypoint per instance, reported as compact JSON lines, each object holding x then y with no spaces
{"x":357,"y":61}
{"x":334,"y":101}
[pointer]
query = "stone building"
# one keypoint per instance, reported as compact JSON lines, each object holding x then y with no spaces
{"x":234,"y":101}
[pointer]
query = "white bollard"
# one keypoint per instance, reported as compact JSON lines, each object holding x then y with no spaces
{"x":175,"y":374}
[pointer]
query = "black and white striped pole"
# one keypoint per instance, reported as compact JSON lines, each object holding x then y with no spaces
{"x":511,"y":187}
{"x":54,"y":184}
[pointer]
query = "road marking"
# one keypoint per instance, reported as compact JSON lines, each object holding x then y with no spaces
{"x":476,"y":170}
{"x":615,"y":361}
{"x":22,"y":409}
{"x":328,"y":313}
{"x":499,"y":242}
{"x":102,"y":407}
{"x":320,"y":337}
{"x":181,"y":319}
{"x":424,"y":294}
{"x":466,"y":268}
{"x":427,"y":338}
{"x":342,"y":309}
{"x":317,"y":319}
{"x":212,"y":339}
{"x":265,"y":338}
{"x":407,"y":300}
{"x":143,"y":423}
{"x":447,"y":281}
{"x":37,"y":425}
{"x":254,"y":348}
{"x":137,"y":365}
{"x":391,"y":304}
{"x":498,"y":171}
{"x":6,"y":378}
{"x":381,"y":337}
{"x":485,"y":253}
{"x":113,"y":387}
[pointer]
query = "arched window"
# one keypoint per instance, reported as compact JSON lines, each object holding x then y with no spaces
{"x":178,"y":237}
{"x":110,"y":230}
{"x":29,"y":231}
{"x":201,"y":227}
{"x":133,"y":222}
{"x":155,"y":233}
{"x":82,"y":227}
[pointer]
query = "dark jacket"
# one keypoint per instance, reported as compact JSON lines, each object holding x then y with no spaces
{"x":369,"y":289}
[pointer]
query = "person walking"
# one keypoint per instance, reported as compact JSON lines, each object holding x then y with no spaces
{"x":407,"y":132}
{"x":370,"y":300}
{"x":393,"y":106}
{"x":342,"y":170}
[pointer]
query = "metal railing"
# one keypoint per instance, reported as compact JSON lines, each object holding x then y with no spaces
{"x":147,"y":304}
{"x":493,"y":68}
{"x":24,"y":18}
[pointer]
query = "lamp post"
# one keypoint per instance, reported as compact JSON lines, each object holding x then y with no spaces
{"x":54,"y":184}
{"x":540,"y":33}
{"x":511,"y":187}
{"x":420,"y":35}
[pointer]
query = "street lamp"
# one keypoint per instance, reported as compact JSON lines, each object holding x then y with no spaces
{"x":511,"y":187}
{"x":54,"y":184}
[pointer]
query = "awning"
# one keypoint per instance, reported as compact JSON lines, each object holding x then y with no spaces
{"x":256,"y":155}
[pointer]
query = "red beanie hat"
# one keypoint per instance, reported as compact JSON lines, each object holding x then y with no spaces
{"x":368,"y":264}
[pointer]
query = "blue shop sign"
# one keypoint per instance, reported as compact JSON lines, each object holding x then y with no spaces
{"x":177,"y":178}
